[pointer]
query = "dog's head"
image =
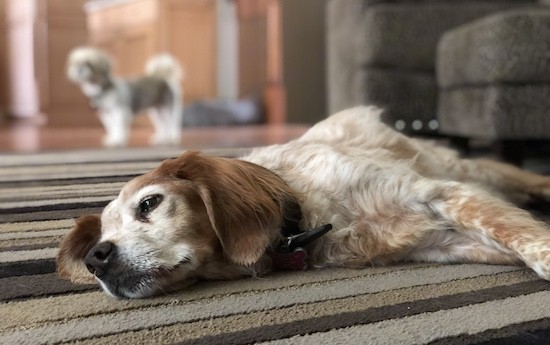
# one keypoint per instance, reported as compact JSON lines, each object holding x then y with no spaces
{"x":192,"y":217}
{"x":88,"y":65}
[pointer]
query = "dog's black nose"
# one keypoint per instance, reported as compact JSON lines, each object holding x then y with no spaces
{"x":99,"y":258}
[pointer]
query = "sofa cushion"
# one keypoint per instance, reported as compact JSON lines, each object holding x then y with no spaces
{"x":405,"y":35}
{"x":509,"y":47}
{"x":496,"y":112}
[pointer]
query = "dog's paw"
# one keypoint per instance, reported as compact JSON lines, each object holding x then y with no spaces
{"x":175,"y":140}
{"x":164,"y":140}
{"x":536,"y":255}
{"x":157,"y":140}
{"x":113,"y":142}
{"x":541,"y":268}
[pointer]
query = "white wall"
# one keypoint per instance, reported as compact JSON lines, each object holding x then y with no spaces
{"x":227,"y":56}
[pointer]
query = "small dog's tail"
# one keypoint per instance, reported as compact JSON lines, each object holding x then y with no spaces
{"x":164,"y":66}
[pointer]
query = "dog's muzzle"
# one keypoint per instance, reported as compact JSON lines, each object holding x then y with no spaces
{"x":114,"y":274}
{"x":99,"y":258}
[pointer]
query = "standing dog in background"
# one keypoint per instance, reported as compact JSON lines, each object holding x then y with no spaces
{"x":117,"y":100}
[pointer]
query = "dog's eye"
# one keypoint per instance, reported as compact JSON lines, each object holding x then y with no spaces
{"x":147,"y":205}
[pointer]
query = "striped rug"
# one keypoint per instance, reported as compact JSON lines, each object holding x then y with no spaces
{"x":40,"y":195}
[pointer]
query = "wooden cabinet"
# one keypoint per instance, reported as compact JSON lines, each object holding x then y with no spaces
{"x":260,"y":55}
{"x":133,"y":31}
{"x":39,"y":34}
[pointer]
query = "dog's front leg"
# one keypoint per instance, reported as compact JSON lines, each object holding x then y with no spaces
{"x":469,"y":210}
{"x":167,"y":123}
{"x":105,"y":121}
{"x":160,"y":120}
{"x":117,"y":126}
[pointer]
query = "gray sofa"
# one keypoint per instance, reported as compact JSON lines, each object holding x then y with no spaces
{"x":383,"y":52}
{"x":494,"y":80}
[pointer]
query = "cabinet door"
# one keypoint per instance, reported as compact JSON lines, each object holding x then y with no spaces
{"x":66,"y":29}
{"x":189,"y":33}
{"x":131,"y":49}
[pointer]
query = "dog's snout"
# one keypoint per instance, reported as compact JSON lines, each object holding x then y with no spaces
{"x":99,"y":258}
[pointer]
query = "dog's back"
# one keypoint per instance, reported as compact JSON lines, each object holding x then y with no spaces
{"x":150,"y":91}
{"x":159,"y":87}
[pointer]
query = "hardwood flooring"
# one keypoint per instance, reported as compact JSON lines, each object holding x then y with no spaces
{"x":29,"y":137}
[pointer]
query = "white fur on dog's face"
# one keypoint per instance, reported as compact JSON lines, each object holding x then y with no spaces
{"x":151,"y":249}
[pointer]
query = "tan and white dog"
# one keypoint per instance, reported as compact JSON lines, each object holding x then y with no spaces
{"x":389,"y":198}
{"x":118,"y":100}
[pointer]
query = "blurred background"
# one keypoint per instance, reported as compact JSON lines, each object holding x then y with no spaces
{"x":232,"y":52}
{"x":463,"y":70}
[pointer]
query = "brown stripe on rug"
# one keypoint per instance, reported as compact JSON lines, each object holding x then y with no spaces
{"x":23,"y":268}
{"x":402,"y":304}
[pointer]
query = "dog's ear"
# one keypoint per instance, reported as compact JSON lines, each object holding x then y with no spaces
{"x":74,"y":247}
{"x":243,"y":201}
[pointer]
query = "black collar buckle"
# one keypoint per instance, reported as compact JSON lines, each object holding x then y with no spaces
{"x":290,"y":255}
{"x":291,"y":243}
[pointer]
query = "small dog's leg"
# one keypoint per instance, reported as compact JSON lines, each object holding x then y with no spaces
{"x":490,"y":218}
{"x":118,"y":127}
{"x":167,"y":122}
{"x":175,"y":116}
{"x":107,"y":123}
{"x":160,"y":126}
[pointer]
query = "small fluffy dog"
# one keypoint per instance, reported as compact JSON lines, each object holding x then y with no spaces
{"x":117,"y":100}
{"x":389,"y":199}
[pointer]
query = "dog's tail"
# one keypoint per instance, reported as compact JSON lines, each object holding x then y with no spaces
{"x":164,"y":66}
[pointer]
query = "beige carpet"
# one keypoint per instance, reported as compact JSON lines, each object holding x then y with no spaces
{"x":407,"y":304}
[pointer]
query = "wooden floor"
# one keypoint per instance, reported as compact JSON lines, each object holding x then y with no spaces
{"x":28,"y":137}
